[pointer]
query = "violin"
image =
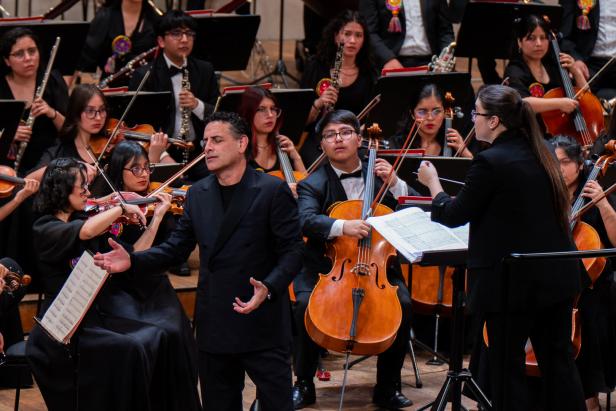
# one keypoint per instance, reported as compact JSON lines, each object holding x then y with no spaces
{"x":366,"y":306}
{"x":147,"y":205}
{"x":450,"y":113}
{"x":13,"y":281}
{"x":141,"y":133}
{"x":8,"y":181}
{"x":586,"y":122}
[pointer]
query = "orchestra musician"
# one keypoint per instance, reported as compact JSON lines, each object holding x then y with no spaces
{"x":120,"y":30}
{"x":340,"y":179}
{"x":595,"y":361}
{"x":588,"y":35}
{"x":516,"y":201}
{"x":175,"y":35}
{"x":21,"y":74}
{"x":259,"y":108}
{"x":407,"y":33}
{"x":250,"y":248}
{"x":532,"y":70}
{"x":428,"y":110}
{"x":356,"y":79}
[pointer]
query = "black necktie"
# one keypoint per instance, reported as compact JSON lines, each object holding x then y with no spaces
{"x":354,"y":174}
{"x":173,"y":70}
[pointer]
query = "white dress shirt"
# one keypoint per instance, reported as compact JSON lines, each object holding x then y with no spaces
{"x":606,"y":37}
{"x":415,"y":40}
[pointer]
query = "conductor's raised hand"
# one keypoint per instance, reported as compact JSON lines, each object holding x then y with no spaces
{"x":115,"y":261}
{"x":259,"y":295}
{"x":427,"y":174}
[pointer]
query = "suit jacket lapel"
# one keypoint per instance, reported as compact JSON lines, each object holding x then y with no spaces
{"x":211,"y":213}
{"x":244,"y":195}
{"x":336,"y":189}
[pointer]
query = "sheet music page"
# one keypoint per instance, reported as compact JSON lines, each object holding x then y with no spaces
{"x":412,"y":233}
{"x":74,"y":299}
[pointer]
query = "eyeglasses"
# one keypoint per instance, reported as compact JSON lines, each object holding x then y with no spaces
{"x":137,"y":171}
{"x":84,"y":190}
{"x":345,"y":134}
{"x":475,"y":113}
{"x":423,"y":113}
{"x":91,"y":112}
{"x":177,"y":34}
{"x":267,"y":110}
{"x":21,"y":54}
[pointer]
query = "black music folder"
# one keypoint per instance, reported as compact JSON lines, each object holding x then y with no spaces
{"x":150,"y":107}
{"x":72,"y":34}
{"x":10,"y":115}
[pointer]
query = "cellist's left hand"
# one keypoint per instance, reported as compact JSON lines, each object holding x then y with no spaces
{"x":260,"y":294}
{"x":382,"y":168}
{"x":593,"y":190}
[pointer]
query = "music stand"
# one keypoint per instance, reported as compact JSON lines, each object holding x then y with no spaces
{"x":72,"y":33}
{"x":395,"y":91}
{"x":295,"y":105}
{"x":149,"y":107}
{"x":10,"y":115}
{"x":281,"y":68}
{"x":451,"y":391}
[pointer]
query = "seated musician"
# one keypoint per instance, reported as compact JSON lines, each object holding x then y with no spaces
{"x":356,"y":78}
{"x":120,"y":30}
{"x":22,"y":73}
{"x":588,"y":35}
{"x":427,"y":109}
{"x":407,"y":33}
{"x":259,"y":108}
{"x":533,"y":71}
{"x":86,"y":118}
{"x":595,"y":362}
{"x":339,"y":180}
{"x":192,"y":83}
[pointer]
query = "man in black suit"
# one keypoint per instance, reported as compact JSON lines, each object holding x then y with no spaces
{"x":430,"y":31}
{"x":592,"y":46}
{"x":250,"y":248}
{"x":340,"y":180}
{"x":176,"y":32}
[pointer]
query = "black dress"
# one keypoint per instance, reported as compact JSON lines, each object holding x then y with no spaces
{"x":353,"y":97}
{"x":259,"y":167}
{"x":135,"y":348}
{"x":44,"y":133}
{"x":521,"y":78}
{"x":105,"y":27}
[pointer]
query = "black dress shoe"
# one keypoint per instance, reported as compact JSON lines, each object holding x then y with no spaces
{"x":390,"y":400}
{"x":303,"y":394}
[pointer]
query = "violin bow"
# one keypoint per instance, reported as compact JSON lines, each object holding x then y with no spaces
{"x":178,"y":174}
{"x":593,"y":78}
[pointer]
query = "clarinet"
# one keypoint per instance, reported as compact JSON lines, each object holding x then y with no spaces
{"x":38,"y":94}
{"x":185,"y":123}
{"x":334,"y":81}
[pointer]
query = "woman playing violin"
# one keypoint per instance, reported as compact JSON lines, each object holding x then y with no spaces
{"x":85,"y":119}
{"x":260,"y":109}
{"x":533,"y":72}
{"x":21,"y":74}
{"x":428,"y":110}
{"x":595,"y":361}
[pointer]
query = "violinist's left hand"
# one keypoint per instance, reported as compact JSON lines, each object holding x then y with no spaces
{"x":163,"y":206}
{"x":40,"y":107}
{"x":158,"y":144}
{"x":31,"y":186}
{"x":188,"y":100}
{"x":260,"y":294}
{"x":382,"y":168}
{"x":593,"y":190}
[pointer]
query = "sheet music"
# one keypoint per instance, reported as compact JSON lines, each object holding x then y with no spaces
{"x":71,"y":304}
{"x":412,"y":233}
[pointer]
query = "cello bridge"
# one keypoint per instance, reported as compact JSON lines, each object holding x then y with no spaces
{"x":361,"y":269}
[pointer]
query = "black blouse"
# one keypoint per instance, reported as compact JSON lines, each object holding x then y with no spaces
{"x":105,"y":27}
{"x":521,"y":78}
{"x":44,"y":133}
{"x":259,"y":167}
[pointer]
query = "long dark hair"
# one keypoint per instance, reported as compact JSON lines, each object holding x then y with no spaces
{"x":77,"y":103}
{"x":516,"y":114}
{"x":249,"y":104}
{"x":326,"y":51}
{"x":9,"y":39}
{"x":122,"y":154}
{"x":57,"y":184}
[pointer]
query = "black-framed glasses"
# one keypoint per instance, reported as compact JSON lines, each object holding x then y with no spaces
{"x":331,"y":135}
{"x":177,"y":34}
{"x":85,"y":189}
{"x":21,"y":54}
{"x":475,"y":113}
{"x":423,"y":113}
{"x":137,"y":170}
{"x":92,"y":112}
{"x":267,"y":110}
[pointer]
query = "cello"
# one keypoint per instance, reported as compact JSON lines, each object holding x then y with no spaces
{"x":286,"y":171}
{"x":354,"y":309}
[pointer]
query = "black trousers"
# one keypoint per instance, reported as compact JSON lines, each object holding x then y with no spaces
{"x":549,"y":330}
{"x":389,"y":363}
{"x":222,"y":379}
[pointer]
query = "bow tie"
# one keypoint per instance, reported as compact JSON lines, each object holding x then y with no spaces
{"x":354,"y":174}
{"x":173,"y":70}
